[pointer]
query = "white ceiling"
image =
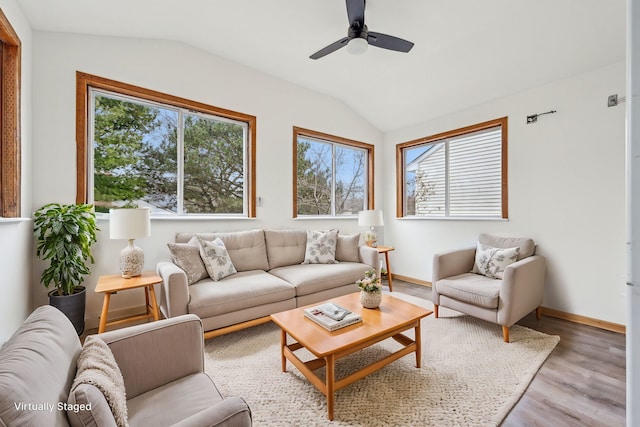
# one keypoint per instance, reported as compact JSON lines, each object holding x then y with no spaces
{"x":466,"y":51}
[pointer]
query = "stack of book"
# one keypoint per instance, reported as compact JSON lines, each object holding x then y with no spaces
{"x":331,"y":316}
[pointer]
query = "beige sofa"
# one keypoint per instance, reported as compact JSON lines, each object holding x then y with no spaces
{"x":270,"y":278}
{"x":38,"y":365}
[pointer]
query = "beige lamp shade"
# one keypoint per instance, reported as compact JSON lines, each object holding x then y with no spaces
{"x":130,"y":224}
{"x":370,"y":218}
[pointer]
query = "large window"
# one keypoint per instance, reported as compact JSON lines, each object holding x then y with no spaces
{"x":457,"y":174}
{"x":174,"y":156}
{"x":333,"y":176}
{"x":10,"y":151}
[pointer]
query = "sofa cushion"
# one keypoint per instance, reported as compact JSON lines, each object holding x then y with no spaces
{"x":98,"y":368}
{"x":285,"y":247}
{"x":242,"y":290}
{"x":37,"y":367}
{"x":311,"y":278}
{"x":187,"y":257}
{"x":347,"y":248}
{"x":526,"y":245}
{"x":491,"y":262}
{"x":471,"y":288}
{"x":247,"y":249}
{"x":321,"y":247}
{"x":216,"y":259}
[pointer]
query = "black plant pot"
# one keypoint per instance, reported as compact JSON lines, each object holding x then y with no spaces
{"x":72,"y":306}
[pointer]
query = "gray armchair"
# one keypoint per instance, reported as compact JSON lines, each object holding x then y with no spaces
{"x":161,"y":363}
{"x":503,"y":301}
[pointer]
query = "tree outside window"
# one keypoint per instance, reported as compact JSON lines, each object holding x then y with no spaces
{"x":333,"y":175}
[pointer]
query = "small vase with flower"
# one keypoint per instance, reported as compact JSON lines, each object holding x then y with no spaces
{"x":370,"y":290}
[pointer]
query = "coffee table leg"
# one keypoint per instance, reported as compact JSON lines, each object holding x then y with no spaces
{"x":283,"y":344}
{"x":418,"y":339}
{"x":330,"y":385}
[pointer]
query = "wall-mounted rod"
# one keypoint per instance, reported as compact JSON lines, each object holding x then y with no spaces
{"x":613,"y":100}
{"x":534,"y":117}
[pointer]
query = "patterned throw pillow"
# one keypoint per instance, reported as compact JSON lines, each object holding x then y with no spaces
{"x":216,"y":259}
{"x":187,"y":257}
{"x":321,"y":247}
{"x":491,"y":262}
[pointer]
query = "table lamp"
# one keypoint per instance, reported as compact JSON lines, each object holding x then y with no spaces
{"x":370,"y":218}
{"x":130,"y":224}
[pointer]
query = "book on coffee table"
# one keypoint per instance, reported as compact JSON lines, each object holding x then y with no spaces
{"x":331,"y":316}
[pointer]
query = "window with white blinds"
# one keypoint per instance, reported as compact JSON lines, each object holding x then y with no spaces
{"x":457,"y":174}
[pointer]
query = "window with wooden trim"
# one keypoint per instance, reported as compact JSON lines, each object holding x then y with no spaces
{"x":332,"y":176}
{"x":178,"y":157}
{"x":10,"y":151}
{"x":456,"y":174}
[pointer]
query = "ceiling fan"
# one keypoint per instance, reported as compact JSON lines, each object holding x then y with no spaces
{"x":359,"y":37}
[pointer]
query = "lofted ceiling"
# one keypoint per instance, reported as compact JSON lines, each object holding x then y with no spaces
{"x":466,"y":52}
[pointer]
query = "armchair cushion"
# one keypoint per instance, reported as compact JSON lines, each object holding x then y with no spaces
{"x":491,"y":262}
{"x":471,"y":288}
{"x":97,"y":367}
{"x":526,"y":245}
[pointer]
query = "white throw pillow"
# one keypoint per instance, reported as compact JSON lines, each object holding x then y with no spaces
{"x":491,"y":262}
{"x":216,"y":259}
{"x":321,"y":247}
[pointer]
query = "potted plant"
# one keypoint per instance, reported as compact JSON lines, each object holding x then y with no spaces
{"x":370,"y":290}
{"x":65,"y":234}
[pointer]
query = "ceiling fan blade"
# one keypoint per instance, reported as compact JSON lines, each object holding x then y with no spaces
{"x":331,"y":48}
{"x":389,"y":42}
{"x":355,"y":12}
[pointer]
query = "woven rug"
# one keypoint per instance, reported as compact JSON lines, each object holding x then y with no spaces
{"x":469,"y":376}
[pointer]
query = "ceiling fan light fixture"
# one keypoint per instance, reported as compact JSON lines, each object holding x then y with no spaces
{"x":357,"y":46}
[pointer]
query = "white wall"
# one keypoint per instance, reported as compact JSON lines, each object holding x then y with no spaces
{"x":566,"y":190}
{"x":190,"y":73}
{"x":15,"y":236}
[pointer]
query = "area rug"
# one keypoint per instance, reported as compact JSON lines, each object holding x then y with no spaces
{"x":469,"y":376}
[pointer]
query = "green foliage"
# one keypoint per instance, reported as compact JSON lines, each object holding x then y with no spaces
{"x":65,"y":234}
{"x":137,"y":159}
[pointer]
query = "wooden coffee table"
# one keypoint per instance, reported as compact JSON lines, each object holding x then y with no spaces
{"x":393,"y":317}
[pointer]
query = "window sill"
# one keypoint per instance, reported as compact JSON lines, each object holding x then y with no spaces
{"x":445,"y":218}
{"x":324,"y":217}
{"x":105,"y":218}
{"x":13,"y":220}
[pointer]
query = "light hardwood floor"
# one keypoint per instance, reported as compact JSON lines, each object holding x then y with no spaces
{"x":581,"y":384}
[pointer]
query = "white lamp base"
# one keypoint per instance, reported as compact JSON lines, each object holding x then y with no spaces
{"x":371,"y":238}
{"x":131,"y":261}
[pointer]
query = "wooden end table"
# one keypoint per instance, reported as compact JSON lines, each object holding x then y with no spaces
{"x":393,"y":317}
{"x":111,"y":284}
{"x":385,"y":250}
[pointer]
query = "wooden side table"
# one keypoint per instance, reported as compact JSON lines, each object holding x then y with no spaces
{"x":385,"y":250}
{"x":113,"y":283}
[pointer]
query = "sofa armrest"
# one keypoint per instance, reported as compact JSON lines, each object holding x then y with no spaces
{"x":522,"y":289}
{"x":370,"y":256}
{"x":232,"y":411}
{"x":175,"y":289}
{"x":452,"y":263}
{"x":153,"y":354}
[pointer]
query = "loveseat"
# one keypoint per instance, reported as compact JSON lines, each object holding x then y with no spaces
{"x":40,"y":367}
{"x":274,"y":273}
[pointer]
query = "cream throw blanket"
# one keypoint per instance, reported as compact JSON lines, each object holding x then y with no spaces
{"x":97,"y":366}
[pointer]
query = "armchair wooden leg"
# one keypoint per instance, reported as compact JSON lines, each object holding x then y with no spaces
{"x":538,"y":313}
{"x":505,"y":333}
{"x":435,"y":311}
